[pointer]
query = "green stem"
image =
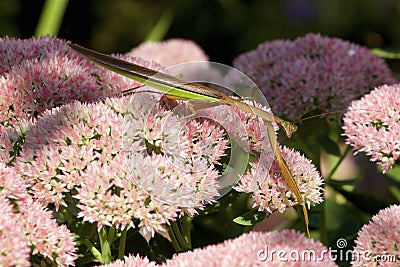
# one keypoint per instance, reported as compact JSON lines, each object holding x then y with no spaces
{"x":174,"y":240}
{"x":51,"y":17}
{"x":93,"y":250}
{"x":160,"y":29}
{"x":182,"y":242}
{"x":66,"y":215}
{"x":122,"y":243}
{"x":186,"y":223}
{"x":105,"y":245}
{"x":111,"y":234}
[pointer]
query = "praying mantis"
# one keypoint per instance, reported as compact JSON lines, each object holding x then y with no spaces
{"x":177,"y":88}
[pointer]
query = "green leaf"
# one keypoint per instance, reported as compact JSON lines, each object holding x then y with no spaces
{"x":250,"y":218}
{"x":330,"y":146}
{"x":395,"y":191}
{"x":392,"y":178}
{"x":394,"y":175}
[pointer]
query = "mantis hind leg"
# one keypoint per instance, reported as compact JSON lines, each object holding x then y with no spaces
{"x":287,"y":174}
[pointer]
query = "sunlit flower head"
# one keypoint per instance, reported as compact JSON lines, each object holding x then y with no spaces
{"x":61,"y":144}
{"x":11,"y":185}
{"x":42,"y":73}
{"x":14,"y":51}
{"x":50,"y":82}
{"x":380,"y":237}
{"x":11,"y":140}
{"x":371,"y":125}
{"x":131,"y":261}
{"x":248,"y":135}
{"x":170,"y":52}
{"x":269,"y":188}
{"x":49,"y":241}
{"x":257,"y":249}
{"x":41,"y":233}
{"x":14,"y":249}
{"x":313,"y":72}
{"x":129,"y":161}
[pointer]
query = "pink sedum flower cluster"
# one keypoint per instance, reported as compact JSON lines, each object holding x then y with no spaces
{"x":313,"y":72}
{"x":131,"y":261}
{"x":50,"y":241}
{"x":41,"y":73}
{"x":256,"y":249}
{"x":129,"y":161}
{"x":136,"y":161}
{"x":11,"y":141}
{"x":247,"y":250}
{"x":28,"y":229}
{"x":170,"y":52}
{"x":264,"y":179}
{"x":11,"y":185}
{"x":14,"y":250}
{"x":372,"y":125}
{"x":269,"y":188}
{"x":380,"y":238}
{"x":14,"y":51}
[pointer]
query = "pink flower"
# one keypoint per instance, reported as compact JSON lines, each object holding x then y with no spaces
{"x":42,"y":73}
{"x":48,"y":240}
{"x":258,"y":249}
{"x":12,"y":186}
{"x":14,"y":51}
{"x":58,"y":147}
{"x":110,"y":196}
{"x":170,"y":52}
{"x":128,"y":161}
{"x":313,"y":72}
{"x":269,"y":188}
{"x":14,"y":249}
{"x":131,"y":261}
{"x":380,"y":238}
{"x":371,"y":125}
{"x":33,"y":222}
{"x":11,"y":140}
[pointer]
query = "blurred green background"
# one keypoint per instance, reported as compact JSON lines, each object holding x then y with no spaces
{"x":223,"y":28}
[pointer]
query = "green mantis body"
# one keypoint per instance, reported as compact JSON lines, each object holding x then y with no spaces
{"x":181,"y":89}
